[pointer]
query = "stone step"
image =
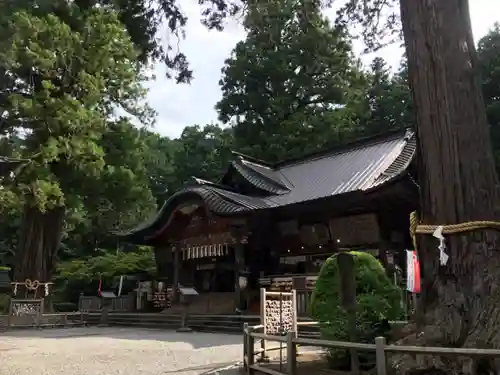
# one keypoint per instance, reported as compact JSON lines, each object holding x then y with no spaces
{"x":199,"y":322}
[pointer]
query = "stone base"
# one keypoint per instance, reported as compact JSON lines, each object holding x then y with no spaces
{"x":184,"y":329}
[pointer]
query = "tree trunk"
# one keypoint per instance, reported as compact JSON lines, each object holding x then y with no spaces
{"x":458,"y":182}
{"x":40,"y":239}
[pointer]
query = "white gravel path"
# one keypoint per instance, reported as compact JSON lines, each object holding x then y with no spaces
{"x":117,"y":351}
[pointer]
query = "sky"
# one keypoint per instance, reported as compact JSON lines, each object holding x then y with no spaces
{"x":181,"y":105}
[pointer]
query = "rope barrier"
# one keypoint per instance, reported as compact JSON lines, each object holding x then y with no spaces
{"x":416,"y":228}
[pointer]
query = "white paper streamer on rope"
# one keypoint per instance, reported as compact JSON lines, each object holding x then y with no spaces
{"x":443,"y":257}
{"x":120,"y":286}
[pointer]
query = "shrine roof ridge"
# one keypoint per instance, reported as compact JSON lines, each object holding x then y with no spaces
{"x":359,"y":166}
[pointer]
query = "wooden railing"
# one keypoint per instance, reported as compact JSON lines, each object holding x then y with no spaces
{"x":380,"y":347}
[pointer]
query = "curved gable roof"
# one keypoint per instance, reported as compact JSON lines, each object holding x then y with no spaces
{"x":362,"y":166}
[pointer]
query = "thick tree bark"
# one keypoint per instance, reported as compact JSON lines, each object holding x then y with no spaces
{"x":457,"y":178}
{"x":40,"y":239}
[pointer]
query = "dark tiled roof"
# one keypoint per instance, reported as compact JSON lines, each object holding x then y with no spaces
{"x":354,"y":169}
{"x":218,"y":200}
{"x":358,"y":167}
{"x":260,"y":177}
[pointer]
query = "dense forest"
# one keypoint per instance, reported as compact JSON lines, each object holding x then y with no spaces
{"x":72,"y":87}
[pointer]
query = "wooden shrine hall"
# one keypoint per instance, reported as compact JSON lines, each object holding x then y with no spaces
{"x":273,"y":225}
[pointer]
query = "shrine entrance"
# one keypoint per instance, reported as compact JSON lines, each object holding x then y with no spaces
{"x":214,"y":279}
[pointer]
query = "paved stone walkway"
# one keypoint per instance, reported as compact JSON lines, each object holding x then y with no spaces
{"x":118,"y":351}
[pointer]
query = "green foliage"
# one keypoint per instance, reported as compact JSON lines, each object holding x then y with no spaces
{"x":387,"y":104}
{"x":65,"y":73}
{"x":10,"y":219}
{"x":108,"y":266}
{"x":77,"y":276}
{"x":61,"y":84}
{"x":377,"y":302}
{"x":145,"y":20}
{"x":202,"y":152}
{"x":285,"y":85}
{"x":159,"y":162}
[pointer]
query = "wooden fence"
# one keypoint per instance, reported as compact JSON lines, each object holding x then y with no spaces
{"x":41,"y":320}
{"x":118,"y":304}
{"x":380,"y":348}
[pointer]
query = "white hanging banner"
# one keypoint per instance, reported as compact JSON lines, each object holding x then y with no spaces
{"x":443,"y":257}
{"x":412,"y":272}
{"x":120,"y":286}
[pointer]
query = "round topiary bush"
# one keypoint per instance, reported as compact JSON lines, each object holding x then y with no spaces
{"x":378,"y":301}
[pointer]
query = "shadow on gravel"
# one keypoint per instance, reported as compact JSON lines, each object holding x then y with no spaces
{"x":222,"y":368}
{"x":196,"y":339}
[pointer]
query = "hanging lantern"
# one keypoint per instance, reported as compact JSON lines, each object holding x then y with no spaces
{"x":243,"y":282}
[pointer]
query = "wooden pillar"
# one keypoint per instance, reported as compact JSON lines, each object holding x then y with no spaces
{"x":384,"y":247}
{"x":163,"y":259}
{"x":177,"y":265}
{"x":238,"y":266}
{"x":238,"y":231}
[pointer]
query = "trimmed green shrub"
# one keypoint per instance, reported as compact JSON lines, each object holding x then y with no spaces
{"x":378,"y":301}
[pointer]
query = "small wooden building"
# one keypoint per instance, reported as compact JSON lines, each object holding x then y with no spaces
{"x":274,"y":225}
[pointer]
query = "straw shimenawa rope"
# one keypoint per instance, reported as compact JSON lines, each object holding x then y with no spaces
{"x":416,"y":228}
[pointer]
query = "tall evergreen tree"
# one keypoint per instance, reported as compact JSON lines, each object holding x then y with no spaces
{"x":284,"y":86}
{"x":389,"y":104}
{"x":63,"y":74}
{"x":457,"y":177}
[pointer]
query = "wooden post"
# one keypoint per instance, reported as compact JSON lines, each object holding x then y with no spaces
{"x":238,"y":232}
{"x":348,"y":299}
{"x":104,"y":319}
{"x":263,"y":356}
{"x":245,"y":333}
{"x":294,"y":310}
{"x":175,"y":283}
{"x":9,"y":317}
{"x":250,"y":345}
{"x":38,"y":318}
{"x":238,"y":266}
{"x":380,"y":356}
{"x":291,"y":353}
{"x":384,"y":221}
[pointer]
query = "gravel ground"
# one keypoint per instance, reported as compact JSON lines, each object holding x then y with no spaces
{"x":118,"y":351}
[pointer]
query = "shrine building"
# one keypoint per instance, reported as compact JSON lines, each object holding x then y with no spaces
{"x":272,"y":225}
